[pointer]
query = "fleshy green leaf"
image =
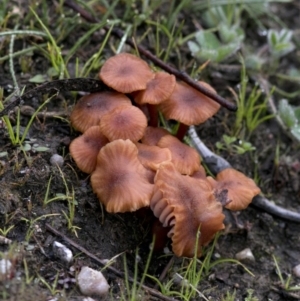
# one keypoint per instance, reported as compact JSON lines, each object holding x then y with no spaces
{"x":287,"y":113}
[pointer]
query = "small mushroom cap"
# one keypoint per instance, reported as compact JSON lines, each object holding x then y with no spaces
{"x":126,"y":73}
{"x":85,"y":148}
{"x":188,"y":205}
{"x":189,"y":106}
{"x":152,"y":156}
{"x":120,"y":180}
{"x":153,"y":135}
{"x":124,"y":122}
{"x":240,"y":189}
{"x":90,"y":108}
{"x":185,"y":158}
{"x":158,"y":89}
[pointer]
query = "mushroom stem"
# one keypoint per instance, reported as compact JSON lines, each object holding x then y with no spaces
{"x":182,"y":131}
{"x":153,"y":114}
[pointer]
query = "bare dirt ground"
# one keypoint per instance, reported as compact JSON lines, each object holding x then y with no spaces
{"x":24,"y":181}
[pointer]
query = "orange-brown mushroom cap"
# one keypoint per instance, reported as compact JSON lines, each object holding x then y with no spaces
{"x":90,"y":108}
{"x":188,"y":205}
{"x":85,"y":148}
{"x":158,"y":89}
{"x":120,"y":180}
{"x":124,"y":122}
{"x":153,"y":135}
{"x":152,"y":156}
{"x":189,"y":106}
{"x":185,"y":158}
{"x":126,"y":73}
{"x":240,"y":189}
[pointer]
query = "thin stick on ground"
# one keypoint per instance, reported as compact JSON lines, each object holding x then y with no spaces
{"x":179,"y":74}
{"x":216,"y":163}
{"x":165,"y":271}
{"x":118,"y":273}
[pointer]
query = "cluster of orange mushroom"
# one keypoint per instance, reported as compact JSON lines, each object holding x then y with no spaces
{"x":134,"y":163}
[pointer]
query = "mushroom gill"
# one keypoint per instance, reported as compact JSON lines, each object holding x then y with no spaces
{"x":188,"y":205}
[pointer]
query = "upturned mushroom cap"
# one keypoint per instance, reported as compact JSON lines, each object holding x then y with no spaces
{"x":153,"y":135}
{"x":126,"y":73}
{"x":158,"y":89}
{"x":85,"y":148}
{"x":185,"y":158}
{"x":240,"y":189}
{"x":188,"y":205}
{"x":120,"y":180}
{"x":90,"y":108}
{"x":124,"y":122}
{"x":152,"y":156}
{"x":189,"y":106}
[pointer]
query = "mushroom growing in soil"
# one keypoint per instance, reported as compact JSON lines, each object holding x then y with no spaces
{"x":85,"y":148}
{"x":240,"y":189}
{"x":124,"y":122}
{"x":185,"y":158}
{"x":188,"y":106}
{"x":158,"y":90}
{"x":126,"y":73}
{"x":90,"y":108}
{"x":120,"y":180}
{"x":189,"y":206}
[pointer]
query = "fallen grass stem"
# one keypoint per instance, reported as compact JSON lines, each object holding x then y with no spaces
{"x":118,"y":273}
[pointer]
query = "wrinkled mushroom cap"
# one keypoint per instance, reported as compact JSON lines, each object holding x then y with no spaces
{"x":185,"y":158}
{"x":188,"y":205}
{"x":90,"y":108}
{"x":158,"y":89}
{"x":126,"y":73}
{"x":240,"y":189}
{"x":85,"y":148}
{"x":120,"y":180}
{"x":124,"y":122}
{"x":189,"y":106}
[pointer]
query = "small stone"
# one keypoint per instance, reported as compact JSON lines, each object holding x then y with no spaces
{"x":88,"y":299}
{"x":5,"y":268}
{"x":57,"y":160}
{"x":92,"y":282}
{"x":296,"y":270}
{"x":62,"y":252}
{"x":245,"y":255}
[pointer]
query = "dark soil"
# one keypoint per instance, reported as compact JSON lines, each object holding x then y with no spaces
{"x":24,"y":180}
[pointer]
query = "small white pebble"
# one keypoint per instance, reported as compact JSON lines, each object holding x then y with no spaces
{"x":245,"y":255}
{"x":5,"y":267}
{"x":57,"y":160}
{"x":4,"y":240}
{"x":62,"y":252}
{"x":92,"y":282}
{"x":296,"y":270}
{"x":88,"y":299}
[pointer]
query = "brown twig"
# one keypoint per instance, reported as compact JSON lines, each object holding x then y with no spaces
{"x":118,"y":273}
{"x":165,"y":271}
{"x":179,"y":74}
